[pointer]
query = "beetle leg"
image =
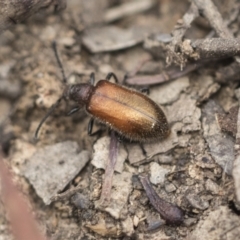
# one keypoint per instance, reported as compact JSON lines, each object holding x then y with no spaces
{"x":143,"y":150}
{"x":72,"y":111}
{"x":111,"y":74}
{"x":90,"y":127}
{"x":120,"y":138}
{"x":145,"y":90}
{"x":92,"y":78}
{"x":125,"y":79}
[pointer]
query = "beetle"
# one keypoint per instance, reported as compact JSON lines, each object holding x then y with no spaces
{"x":130,"y":113}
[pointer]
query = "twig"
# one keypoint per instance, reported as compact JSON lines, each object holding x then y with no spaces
{"x":12,"y":12}
{"x":171,"y":213}
{"x":211,"y":13}
{"x":107,"y":183}
{"x":178,"y":33}
{"x":217,"y":48}
{"x":167,"y":75}
{"x":127,"y":9}
{"x":66,"y":195}
{"x":17,"y":208}
{"x":183,"y":25}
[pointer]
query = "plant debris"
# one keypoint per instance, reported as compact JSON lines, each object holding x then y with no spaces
{"x":82,"y":187}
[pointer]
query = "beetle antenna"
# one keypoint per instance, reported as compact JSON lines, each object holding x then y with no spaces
{"x":54,"y":45}
{"x":51,"y":110}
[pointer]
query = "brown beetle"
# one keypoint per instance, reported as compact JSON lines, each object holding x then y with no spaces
{"x":129,"y":112}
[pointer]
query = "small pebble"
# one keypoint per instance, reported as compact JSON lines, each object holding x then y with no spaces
{"x":196,"y":202}
{"x":169,"y":187}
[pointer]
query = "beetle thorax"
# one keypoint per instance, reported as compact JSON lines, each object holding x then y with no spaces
{"x":79,"y":93}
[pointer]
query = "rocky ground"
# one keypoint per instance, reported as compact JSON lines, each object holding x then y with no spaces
{"x":186,"y":53}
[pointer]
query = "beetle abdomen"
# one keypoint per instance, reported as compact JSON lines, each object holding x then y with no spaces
{"x":128,"y":112}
